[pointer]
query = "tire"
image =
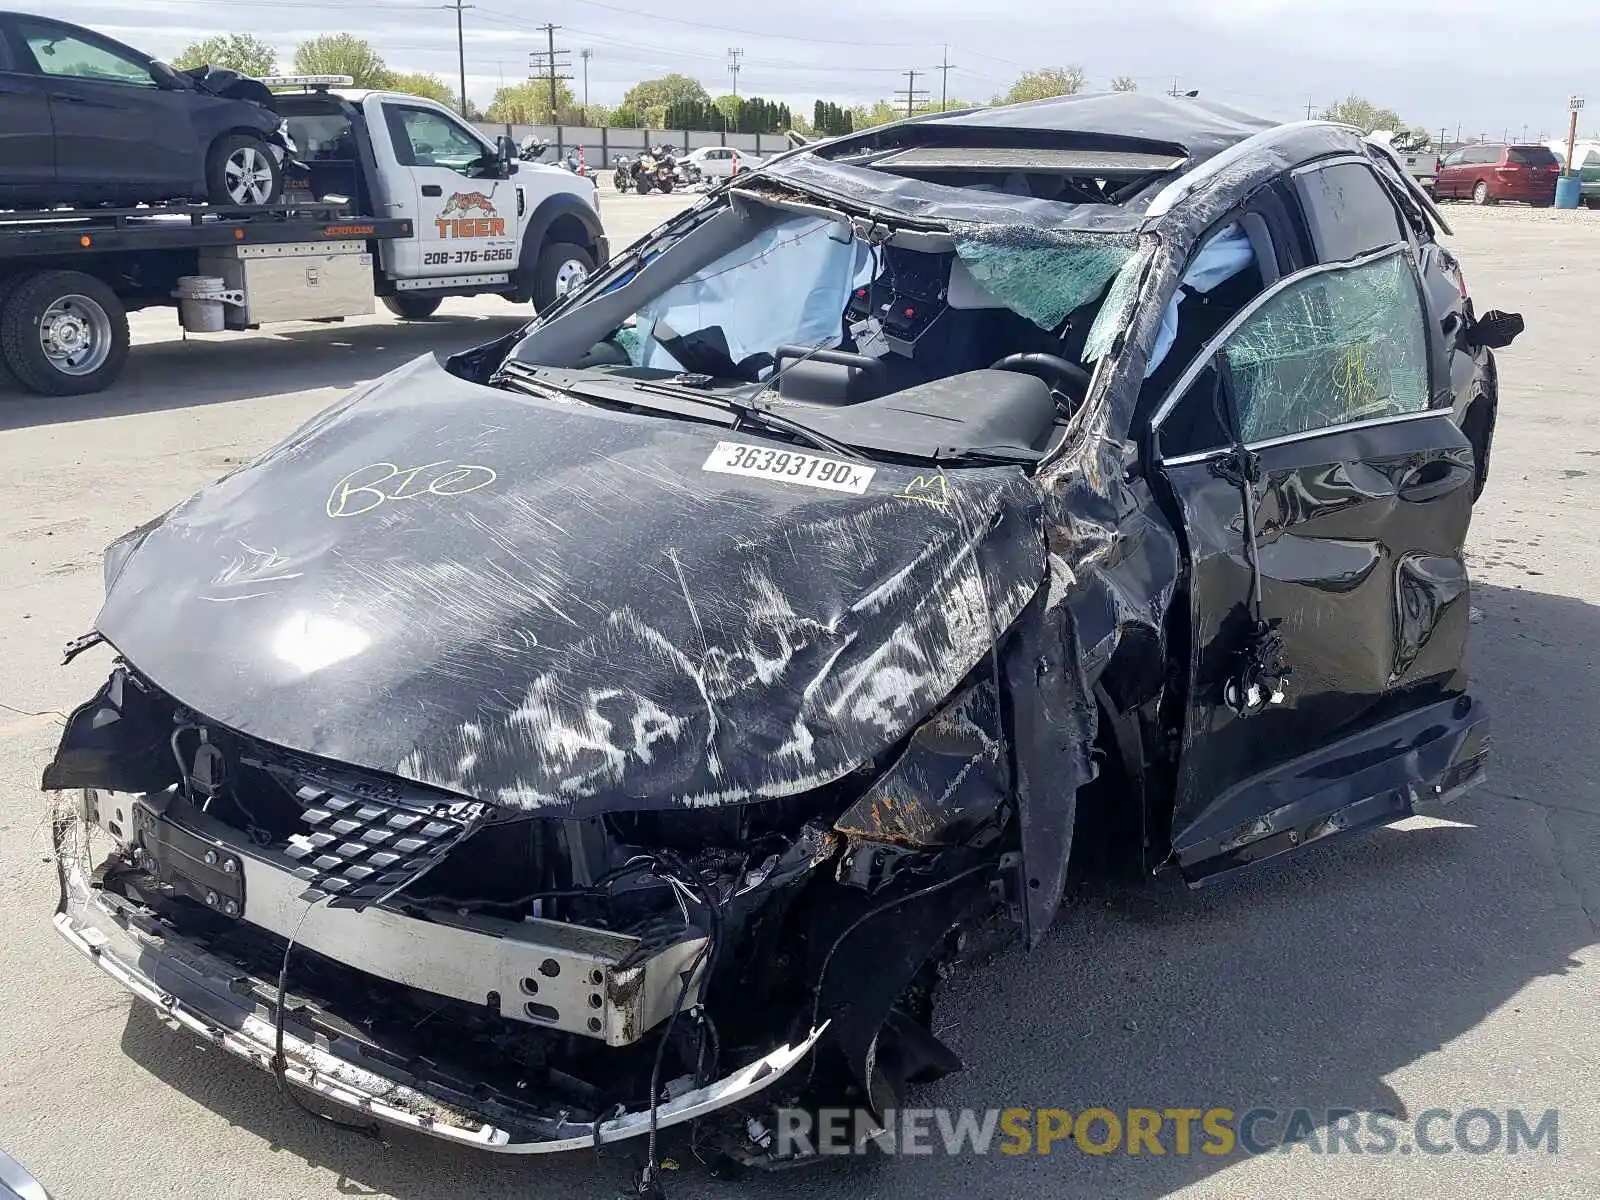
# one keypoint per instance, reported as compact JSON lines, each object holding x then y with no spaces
{"x":557,"y":271}
{"x":1480,"y":194}
{"x":643,"y":185}
{"x":665,"y":185}
{"x":241,"y":170}
{"x":1591,"y":201}
{"x":63,"y":333}
{"x":413,"y":308}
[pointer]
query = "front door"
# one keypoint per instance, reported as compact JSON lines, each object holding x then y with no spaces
{"x":466,"y":213}
{"x":27,"y":146}
{"x":116,"y":129}
{"x":1324,"y":502}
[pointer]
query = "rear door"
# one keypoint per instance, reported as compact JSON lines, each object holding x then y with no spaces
{"x":115,"y":127}
{"x":27,"y":146}
{"x":1324,"y":501}
{"x":466,"y":215}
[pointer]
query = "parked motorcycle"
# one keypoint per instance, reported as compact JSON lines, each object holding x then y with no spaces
{"x":532,"y":149}
{"x":622,"y":179}
{"x":655,"y":170}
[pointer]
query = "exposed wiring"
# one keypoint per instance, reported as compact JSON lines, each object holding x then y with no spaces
{"x":280,"y":1064}
{"x":822,"y":973}
{"x":650,"y":1178}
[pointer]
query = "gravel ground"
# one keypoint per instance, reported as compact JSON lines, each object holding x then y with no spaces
{"x":1446,"y":964}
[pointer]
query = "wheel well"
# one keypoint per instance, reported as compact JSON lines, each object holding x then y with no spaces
{"x":244,"y":130}
{"x":567,"y":228}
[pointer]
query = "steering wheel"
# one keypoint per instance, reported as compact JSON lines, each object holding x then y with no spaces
{"x":1068,"y":382}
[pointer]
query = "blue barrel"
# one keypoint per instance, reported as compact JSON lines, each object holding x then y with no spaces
{"x":1569,"y":190}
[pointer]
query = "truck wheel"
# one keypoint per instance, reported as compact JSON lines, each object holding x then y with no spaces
{"x":63,"y":333}
{"x":562,"y":266}
{"x":242,"y":169}
{"x":413,"y":308}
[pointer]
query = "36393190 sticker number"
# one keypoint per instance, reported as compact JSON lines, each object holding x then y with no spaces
{"x":789,"y":466}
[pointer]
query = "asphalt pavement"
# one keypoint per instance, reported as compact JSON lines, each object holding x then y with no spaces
{"x":1450,"y":963}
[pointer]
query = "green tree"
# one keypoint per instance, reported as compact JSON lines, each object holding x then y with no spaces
{"x":1044,"y":83}
{"x":1124,"y":83}
{"x":420,"y":83}
{"x":342,"y":54}
{"x":729,"y":107}
{"x":528,"y":103}
{"x":831,"y":120}
{"x":623,"y":116}
{"x":881,"y":113}
{"x":1362,"y":113}
{"x":241,"y":52}
{"x":669,"y":89}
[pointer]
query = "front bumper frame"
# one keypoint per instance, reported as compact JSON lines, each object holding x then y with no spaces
{"x":189,"y":988}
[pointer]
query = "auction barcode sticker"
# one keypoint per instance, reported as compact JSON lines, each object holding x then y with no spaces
{"x":789,"y":466}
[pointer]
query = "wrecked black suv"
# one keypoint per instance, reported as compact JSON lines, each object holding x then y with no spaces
{"x":639,"y":713}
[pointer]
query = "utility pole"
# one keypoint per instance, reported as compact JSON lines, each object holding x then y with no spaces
{"x":945,"y":67}
{"x":911,"y":91}
{"x":734,"y":55}
{"x":586,"y":54}
{"x":461,"y":48}
{"x":551,"y":66}
{"x":1174,"y":91}
{"x":1311,"y":103}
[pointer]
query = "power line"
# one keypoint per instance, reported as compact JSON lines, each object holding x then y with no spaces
{"x":911,"y":91}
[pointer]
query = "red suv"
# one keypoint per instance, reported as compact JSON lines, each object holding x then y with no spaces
{"x":1490,"y":173}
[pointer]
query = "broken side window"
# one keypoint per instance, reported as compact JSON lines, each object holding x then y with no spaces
{"x":1332,"y":348}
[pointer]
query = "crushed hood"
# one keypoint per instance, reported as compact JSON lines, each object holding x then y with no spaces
{"x":551,"y":606}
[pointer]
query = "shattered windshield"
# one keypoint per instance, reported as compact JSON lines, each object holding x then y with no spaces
{"x":934,"y":344}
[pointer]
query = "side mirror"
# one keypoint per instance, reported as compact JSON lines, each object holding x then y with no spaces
{"x":166,"y":78}
{"x":505,"y":148}
{"x":1496,"y":330}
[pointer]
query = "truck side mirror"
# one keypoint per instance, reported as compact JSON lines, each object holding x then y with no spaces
{"x":505,"y":148}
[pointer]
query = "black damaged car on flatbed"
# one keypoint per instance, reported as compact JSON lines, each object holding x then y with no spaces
{"x":656,"y":698}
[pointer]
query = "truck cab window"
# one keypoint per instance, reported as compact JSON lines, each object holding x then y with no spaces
{"x":425,"y":138}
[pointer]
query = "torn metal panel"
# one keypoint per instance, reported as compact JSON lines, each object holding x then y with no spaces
{"x":950,"y":779}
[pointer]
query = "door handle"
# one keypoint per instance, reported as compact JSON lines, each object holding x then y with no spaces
{"x":68,"y":98}
{"x":1432,"y":480}
{"x":432,"y":189}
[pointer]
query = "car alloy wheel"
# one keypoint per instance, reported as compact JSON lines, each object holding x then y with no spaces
{"x":248,"y":175}
{"x":1480,"y":194}
{"x":75,"y":335}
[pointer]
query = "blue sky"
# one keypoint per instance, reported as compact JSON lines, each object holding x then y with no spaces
{"x":1487,"y":66}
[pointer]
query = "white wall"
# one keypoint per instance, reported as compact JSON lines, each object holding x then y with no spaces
{"x":602,"y":147}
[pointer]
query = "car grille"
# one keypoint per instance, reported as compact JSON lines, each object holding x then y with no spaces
{"x":361,"y":849}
